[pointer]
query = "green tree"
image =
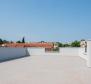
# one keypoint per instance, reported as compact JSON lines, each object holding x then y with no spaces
{"x":23,"y":40}
{"x":66,"y":45}
{"x":1,"y":41}
{"x":18,"y":42}
{"x":42,"y":41}
{"x":5,"y":41}
{"x":60,"y":44}
{"x":75,"y":44}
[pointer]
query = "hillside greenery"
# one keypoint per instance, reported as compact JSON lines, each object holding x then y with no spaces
{"x":72,"y":44}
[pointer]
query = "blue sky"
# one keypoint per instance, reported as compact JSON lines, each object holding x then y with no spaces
{"x":45,"y":20}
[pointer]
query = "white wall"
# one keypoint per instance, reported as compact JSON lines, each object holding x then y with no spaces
{"x":36,"y":51}
{"x":83,"y":54}
{"x":62,"y":51}
{"x":10,"y":53}
{"x":89,"y":53}
{"x":69,"y":51}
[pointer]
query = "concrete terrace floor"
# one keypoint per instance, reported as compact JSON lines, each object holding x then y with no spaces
{"x":45,"y":70}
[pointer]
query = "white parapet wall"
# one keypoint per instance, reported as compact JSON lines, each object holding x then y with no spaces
{"x":83,"y":53}
{"x":62,"y":51}
{"x":11,"y":53}
{"x":89,"y":53}
{"x":69,"y":51}
{"x":36,"y":51}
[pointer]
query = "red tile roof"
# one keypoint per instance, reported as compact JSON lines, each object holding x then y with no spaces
{"x":44,"y":45}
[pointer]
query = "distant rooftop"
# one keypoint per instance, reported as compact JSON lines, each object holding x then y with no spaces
{"x":35,"y":44}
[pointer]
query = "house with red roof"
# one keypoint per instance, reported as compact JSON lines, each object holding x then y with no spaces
{"x":34,"y":44}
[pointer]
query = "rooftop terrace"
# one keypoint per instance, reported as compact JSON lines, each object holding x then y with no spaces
{"x":45,"y":70}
